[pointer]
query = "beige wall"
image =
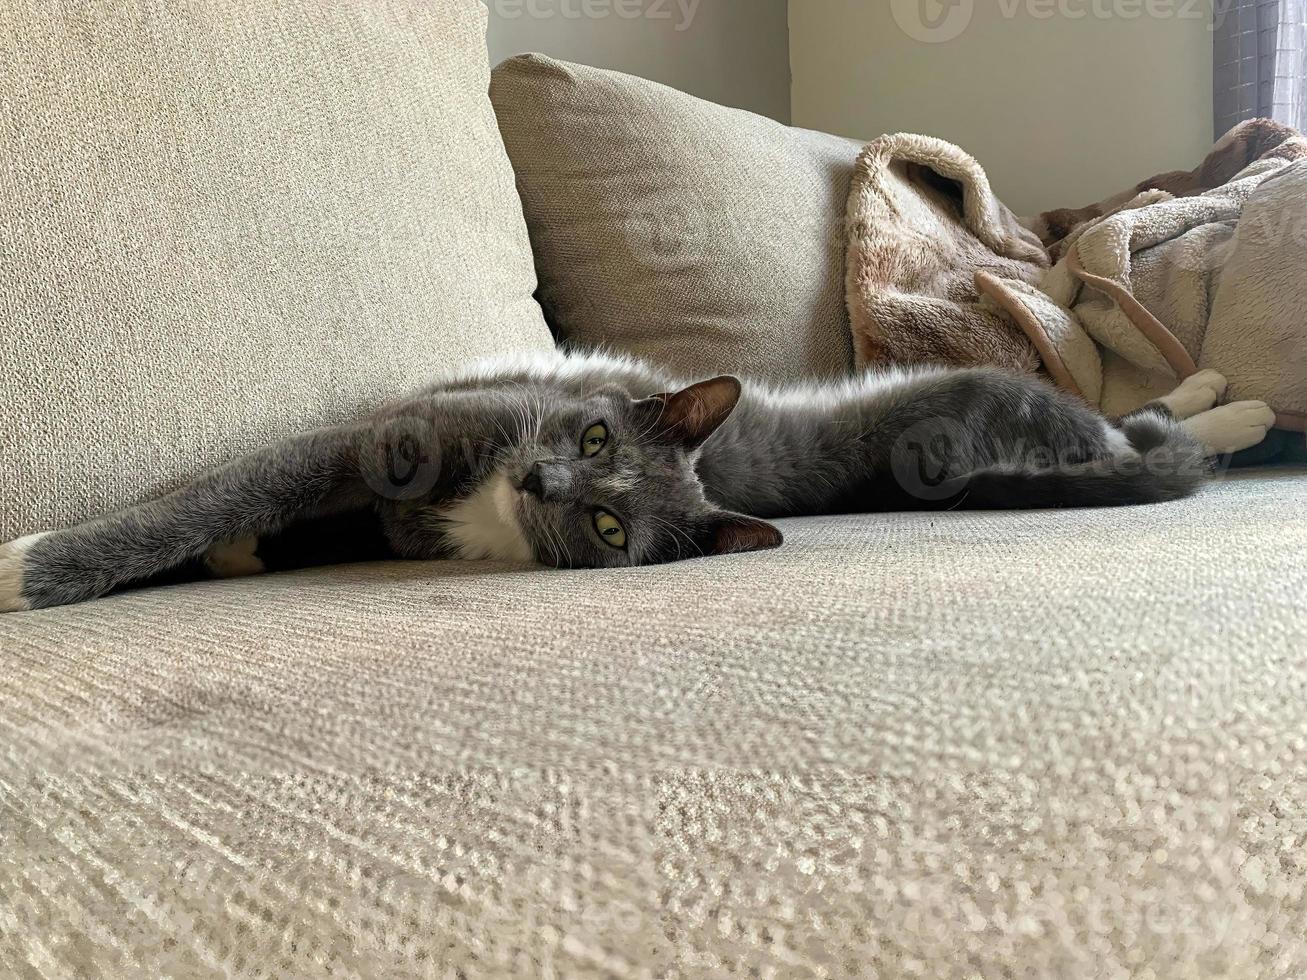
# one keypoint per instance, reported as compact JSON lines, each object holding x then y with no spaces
{"x":735,"y":52}
{"x":1060,"y":110}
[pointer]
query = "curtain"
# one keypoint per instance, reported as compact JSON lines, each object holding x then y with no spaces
{"x":1261,"y":62}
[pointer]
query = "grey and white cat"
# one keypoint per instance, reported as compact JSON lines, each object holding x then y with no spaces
{"x":600,"y":462}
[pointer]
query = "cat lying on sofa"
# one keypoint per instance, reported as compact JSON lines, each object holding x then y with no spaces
{"x":584,"y":462}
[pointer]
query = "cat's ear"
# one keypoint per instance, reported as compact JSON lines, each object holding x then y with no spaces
{"x":734,"y":534}
{"x":689,"y":417}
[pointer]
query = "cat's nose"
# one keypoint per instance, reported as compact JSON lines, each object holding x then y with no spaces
{"x":534,"y":484}
{"x":547,"y":482}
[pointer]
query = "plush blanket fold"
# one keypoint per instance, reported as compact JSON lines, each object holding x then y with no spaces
{"x":921,"y":220}
{"x":1256,"y":139}
{"x":1188,"y":270}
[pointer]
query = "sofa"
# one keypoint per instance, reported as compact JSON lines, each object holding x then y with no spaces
{"x":1043,"y":744}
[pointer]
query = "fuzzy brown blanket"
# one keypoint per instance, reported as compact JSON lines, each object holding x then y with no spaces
{"x":1256,"y":139}
{"x":923,"y":225}
{"x":922,"y":221}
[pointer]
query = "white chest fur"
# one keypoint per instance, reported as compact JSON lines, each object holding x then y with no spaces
{"x":484,"y":527}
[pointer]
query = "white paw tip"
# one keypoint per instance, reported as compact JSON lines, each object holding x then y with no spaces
{"x":1235,"y":427}
{"x":1197,"y":394}
{"x":1253,"y":413}
{"x":234,"y":559}
{"x":1211,"y":380}
{"x":12,"y":562}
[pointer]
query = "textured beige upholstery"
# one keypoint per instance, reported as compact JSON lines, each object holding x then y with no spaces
{"x":224,"y":222}
{"x":1045,"y":744}
{"x":703,"y":238}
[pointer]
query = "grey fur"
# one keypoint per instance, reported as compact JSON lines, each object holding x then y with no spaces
{"x":681,"y":471}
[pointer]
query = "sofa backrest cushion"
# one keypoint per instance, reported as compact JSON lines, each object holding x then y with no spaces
{"x":704,"y":238}
{"x":224,"y":222}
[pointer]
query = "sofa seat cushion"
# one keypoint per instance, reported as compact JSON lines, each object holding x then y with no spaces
{"x":1000,"y":740}
{"x":221,"y":223}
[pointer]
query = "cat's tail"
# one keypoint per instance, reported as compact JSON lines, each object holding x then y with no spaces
{"x":1162,"y":462}
{"x":1105,"y":483}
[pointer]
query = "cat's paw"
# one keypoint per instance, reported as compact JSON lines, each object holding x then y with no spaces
{"x":1198,"y":394}
{"x":234,"y":559}
{"x":1232,"y":428}
{"x":13,"y":563}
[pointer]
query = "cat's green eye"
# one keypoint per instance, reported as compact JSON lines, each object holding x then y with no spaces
{"x":610,"y":529}
{"x":594,"y":440}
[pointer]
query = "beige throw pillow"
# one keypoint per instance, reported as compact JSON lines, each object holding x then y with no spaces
{"x":703,"y":238}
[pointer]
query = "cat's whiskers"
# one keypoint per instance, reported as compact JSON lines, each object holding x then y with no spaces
{"x":503,"y":433}
{"x":558,"y":545}
{"x":516,"y":404}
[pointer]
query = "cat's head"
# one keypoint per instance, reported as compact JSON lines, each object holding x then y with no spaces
{"x":610,"y":481}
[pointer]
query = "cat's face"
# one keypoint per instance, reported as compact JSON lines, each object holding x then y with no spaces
{"x":608,"y":482}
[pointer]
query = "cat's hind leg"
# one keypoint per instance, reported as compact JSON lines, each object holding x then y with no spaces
{"x":1232,"y":428}
{"x":1221,"y":430}
{"x":1198,"y":393}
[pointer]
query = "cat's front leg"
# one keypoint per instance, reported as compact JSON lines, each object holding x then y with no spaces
{"x":59,"y":568}
{"x":261,"y":493}
{"x":64,"y":567}
{"x":13,"y":573}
